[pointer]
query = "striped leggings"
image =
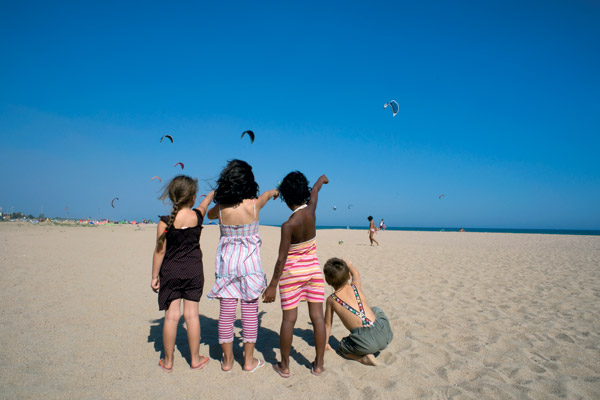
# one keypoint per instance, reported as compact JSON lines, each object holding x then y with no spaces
{"x":249,"y":320}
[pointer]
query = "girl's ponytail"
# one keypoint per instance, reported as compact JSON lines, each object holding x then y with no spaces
{"x":161,"y":239}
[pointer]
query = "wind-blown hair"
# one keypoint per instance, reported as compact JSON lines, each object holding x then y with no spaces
{"x":336,"y":272}
{"x":236,"y":183}
{"x":294,"y":189}
{"x":181,"y":191}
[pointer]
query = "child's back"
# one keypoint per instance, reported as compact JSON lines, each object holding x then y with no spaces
{"x":369,"y":328}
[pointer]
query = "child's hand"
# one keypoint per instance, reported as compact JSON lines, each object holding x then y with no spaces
{"x":325,"y":179}
{"x":269,"y":294}
{"x":276,"y":194}
{"x":155,"y":285}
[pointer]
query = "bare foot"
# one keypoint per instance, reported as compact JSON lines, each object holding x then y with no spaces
{"x":256,"y":364}
{"x":315,"y":369}
{"x":226,"y":367}
{"x":369,"y":359}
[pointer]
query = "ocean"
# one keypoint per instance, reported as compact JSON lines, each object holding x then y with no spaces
{"x":485,"y":230}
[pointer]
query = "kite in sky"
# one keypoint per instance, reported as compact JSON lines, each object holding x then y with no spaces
{"x":350,"y":205}
{"x":251,"y":134}
{"x":112,"y":203}
{"x":394,"y":106}
{"x":168,"y":137}
{"x":440,"y":196}
{"x":334,"y":208}
{"x":179,"y":164}
{"x":156,"y":177}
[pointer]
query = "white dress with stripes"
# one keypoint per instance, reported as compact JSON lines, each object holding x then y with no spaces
{"x":238,"y":271}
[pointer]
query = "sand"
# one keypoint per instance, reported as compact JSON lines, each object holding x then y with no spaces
{"x":474,"y":315}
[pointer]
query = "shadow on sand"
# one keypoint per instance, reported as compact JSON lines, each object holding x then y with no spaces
{"x":267,"y":344}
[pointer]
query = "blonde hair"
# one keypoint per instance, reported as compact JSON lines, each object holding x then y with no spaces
{"x":181,"y":191}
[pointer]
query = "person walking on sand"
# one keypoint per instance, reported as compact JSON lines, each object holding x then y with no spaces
{"x":372,"y":230}
{"x":238,"y":271}
{"x":177,"y":271}
{"x":369,"y":328}
{"x":297,"y":270}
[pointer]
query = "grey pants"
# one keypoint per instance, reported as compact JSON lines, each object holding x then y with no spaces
{"x":368,"y":340}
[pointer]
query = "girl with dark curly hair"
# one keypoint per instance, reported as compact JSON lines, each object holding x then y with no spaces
{"x":238,"y":271}
{"x":297,"y":271}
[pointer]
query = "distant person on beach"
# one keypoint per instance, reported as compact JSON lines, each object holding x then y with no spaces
{"x":238,"y":271}
{"x":382,"y":225}
{"x":177,"y":271}
{"x":372,"y":230}
{"x":297,"y":270}
{"x":369,"y":328}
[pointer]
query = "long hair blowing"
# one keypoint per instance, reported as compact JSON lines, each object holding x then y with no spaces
{"x":236,"y":183}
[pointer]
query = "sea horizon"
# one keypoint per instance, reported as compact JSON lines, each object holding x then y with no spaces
{"x":590,"y":232}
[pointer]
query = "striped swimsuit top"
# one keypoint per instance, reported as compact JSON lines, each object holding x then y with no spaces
{"x":360,"y":313}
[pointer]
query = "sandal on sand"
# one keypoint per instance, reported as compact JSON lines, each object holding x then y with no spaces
{"x":202,"y":364}
{"x":312,"y":370}
{"x":225,"y":370}
{"x":282,"y":374}
{"x":165,"y":369}
{"x":259,"y":364}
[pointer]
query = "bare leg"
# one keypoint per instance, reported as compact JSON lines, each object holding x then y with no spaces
{"x":192,"y":323}
{"x":249,"y":361}
{"x":172,"y":316}
{"x":315,"y":311}
{"x":227,"y":356}
{"x":286,"y":335}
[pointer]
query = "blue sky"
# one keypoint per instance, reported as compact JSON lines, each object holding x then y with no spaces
{"x":499,"y":107}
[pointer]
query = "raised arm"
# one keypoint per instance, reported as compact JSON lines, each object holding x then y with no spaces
{"x":284,"y":245}
{"x":314,"y":193}
{"x":205,"y":203}
{"x":354,"y":272}
{"x":266,"y":196}
{"x":157,"y":257}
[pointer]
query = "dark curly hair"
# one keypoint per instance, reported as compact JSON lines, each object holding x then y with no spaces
{"x":294,"y":189}
{"x":236,"y":183}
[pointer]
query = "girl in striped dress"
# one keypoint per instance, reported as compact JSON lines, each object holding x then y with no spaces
{"x":297,"y":271}
{"x":238,"y":271}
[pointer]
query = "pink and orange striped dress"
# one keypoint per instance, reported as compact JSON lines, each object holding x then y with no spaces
{"x":301,"y":279}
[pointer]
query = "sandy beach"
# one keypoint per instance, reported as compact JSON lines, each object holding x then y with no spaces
{"x":474,"y":315}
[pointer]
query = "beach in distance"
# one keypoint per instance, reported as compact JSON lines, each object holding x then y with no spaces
{"x":474,"y":316}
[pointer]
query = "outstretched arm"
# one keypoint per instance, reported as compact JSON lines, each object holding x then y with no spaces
{"x":157,"y":257}
{"x":266,"y":196}
{"x":286,"y":239}
{"x":206,"y":202}
{"x":314,"y":193}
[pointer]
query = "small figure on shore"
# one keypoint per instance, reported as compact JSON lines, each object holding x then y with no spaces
{"x":372,"y":230}
{"x":297,"y":270}
{"x":382,"y":225}
{"x":177,"y":271}
{"x":238,"y":271}
{"x":369,"y":328}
